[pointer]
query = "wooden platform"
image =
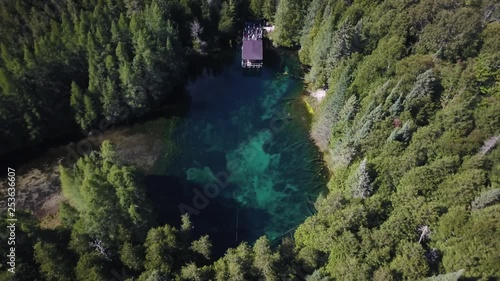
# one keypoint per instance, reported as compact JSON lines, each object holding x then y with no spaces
{"x":252,"y":49}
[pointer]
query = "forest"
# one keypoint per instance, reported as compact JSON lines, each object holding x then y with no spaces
{"x":409,"y":129}
{"x":70,"y":64}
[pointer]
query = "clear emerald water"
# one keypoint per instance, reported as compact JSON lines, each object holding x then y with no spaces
{"x":244,"y":144}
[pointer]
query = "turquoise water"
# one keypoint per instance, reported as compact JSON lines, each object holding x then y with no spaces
{"x":244,"y":146}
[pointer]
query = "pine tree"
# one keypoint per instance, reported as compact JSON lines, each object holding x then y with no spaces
{"x":269,"y":9}
{"x":90,"y":267}
{"x":288,"y":21}
{"x":54,"y":264}
{"x":115,"y":33}
{"x":309,"y":30}
{"x":265,"y":260}
{"x":77,"y":103}
{"x":193,"y":273}
{"x":123,"y":28}
{"x":90,"y":112}
{"x":70,"y":185}
{"x":202,"y":246}
{"x":67,"y":32}
{"x":110,"y":100}
{"x":420,"y":101}
{"x":402,"y":134}
{"x":256,"y":7}
{"x":330,"y":109}
{"x":132,"y":256}
{"x":360,"y":182}
{"x":82,"y":30}
{"x":486,"y":198}
{"x":29,"y":58}
{"x":227,"y":17}
{"x":236,"y":264}
{"x":454,"y":276}
{"x":161,"y":243}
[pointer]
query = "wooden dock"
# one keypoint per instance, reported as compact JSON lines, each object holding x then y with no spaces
{"x":252,"y":48}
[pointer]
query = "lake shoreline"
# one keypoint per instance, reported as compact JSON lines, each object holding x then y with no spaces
{"x":36,"y":181}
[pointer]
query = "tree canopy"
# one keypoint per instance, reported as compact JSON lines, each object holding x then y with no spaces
{"x":409,"y":128}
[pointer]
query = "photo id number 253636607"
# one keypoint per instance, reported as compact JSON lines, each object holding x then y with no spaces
{"x":11,"y":220}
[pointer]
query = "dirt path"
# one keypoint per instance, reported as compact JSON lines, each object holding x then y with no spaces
{"x":39,"y":188}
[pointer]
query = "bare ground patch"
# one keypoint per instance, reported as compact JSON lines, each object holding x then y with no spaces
{"x":38,"y":188}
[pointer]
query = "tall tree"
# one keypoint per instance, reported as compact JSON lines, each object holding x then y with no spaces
{"x":78,"y":105}
{"x":256,"y":7}
{"x":269,"y":9}
{"x":265,"y":260}
{"x":54,"y":264}
{"x":227,"y":17}
{"x":288,"y":21}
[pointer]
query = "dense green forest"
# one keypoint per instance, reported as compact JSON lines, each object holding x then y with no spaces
{"x":93,"y":63}
{"x":409,"y":129}
{"x":408,"y":126}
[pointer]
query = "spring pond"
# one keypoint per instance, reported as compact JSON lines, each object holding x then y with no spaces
{"x":240,"y":161}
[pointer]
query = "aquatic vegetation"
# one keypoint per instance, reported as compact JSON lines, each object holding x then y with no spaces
{"x":241,"y":127}
{"x":309,"y":107}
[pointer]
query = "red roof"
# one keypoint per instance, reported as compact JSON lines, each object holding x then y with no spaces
{"x":252,"y":50}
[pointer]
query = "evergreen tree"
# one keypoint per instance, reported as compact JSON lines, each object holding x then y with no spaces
{"x":265,"y":260}
{"x":360,"y":182}
{"x":202,"y":246}
{"x":227,"y":17}
{"x":53,"y":264}
{"x":486,"y":198}
{"x":78,"y":105}
{"x":90,"y":109}
{"x":192,"y":272}
{"x":71,"y":42}
{"x":288,"y":21}
{"x":90,"y":267}
{"x":411,"y":85}
{"x":132,"y":256}
{"x":236,"y":264}
{"x":269,"y":9}
{"x":256,"y":7}
{"x":161,"y":243}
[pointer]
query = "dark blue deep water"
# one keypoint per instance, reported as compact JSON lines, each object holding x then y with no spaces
{"x":241,"y":161}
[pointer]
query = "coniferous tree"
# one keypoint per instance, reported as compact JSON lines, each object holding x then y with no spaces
{"x":192,"y":272}
{"x":360,"y":182}
{"x":227,"y":17}
{"x":78,"y":105}
{"x":288,"y":22}
{"x":431,"y":140}
{"x":265,"y":260}
{"x":132,"y":256}
{"x":202,"y":246}
{"x":269,"y":9}
{"x":90,"y":267}
{"x":256,"y":7}
{"x":54,"y":264}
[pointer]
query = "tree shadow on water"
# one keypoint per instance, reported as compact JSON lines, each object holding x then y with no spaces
{"x":222,"y":218}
